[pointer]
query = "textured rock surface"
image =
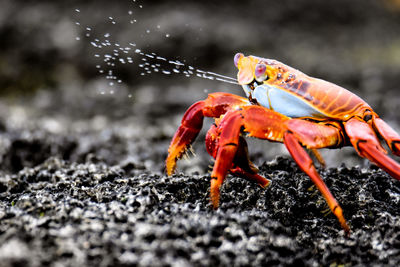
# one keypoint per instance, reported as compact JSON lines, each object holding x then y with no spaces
{"x":94,"y":214}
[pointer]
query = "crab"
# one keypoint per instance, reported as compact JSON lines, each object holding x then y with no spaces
{"x":283,"y":105}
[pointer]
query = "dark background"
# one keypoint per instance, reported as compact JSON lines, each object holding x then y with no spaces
{"x":68,"y":136}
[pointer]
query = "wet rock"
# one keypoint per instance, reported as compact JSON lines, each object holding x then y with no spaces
{"x":78,"y":215}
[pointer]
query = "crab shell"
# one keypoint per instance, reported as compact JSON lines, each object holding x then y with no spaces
{"x":296,"y":95}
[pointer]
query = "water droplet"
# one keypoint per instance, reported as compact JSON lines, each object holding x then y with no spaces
{"x":161,"y":58}
{"x":88,"y":29}
{"x":77,"y":10}
{"x":77,"y":38}
{"x":130,"y":12}
{"x":147,"y":31}
{"x":158,"y":27}
{"x":107,"y":35}
{"x":167,"y":35}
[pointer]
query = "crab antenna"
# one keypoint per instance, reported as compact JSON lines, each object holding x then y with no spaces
{"x":222,"y":76}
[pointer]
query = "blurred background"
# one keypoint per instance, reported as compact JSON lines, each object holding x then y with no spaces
{"x":72,"y":85}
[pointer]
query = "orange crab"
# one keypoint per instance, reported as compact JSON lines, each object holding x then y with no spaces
{"x":283,"y":105}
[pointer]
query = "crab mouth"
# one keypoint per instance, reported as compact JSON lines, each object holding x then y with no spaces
{"x":252,"y":85}
{"x":249,"y":88}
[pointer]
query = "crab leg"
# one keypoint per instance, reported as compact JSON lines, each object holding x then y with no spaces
{"x":314,"y":135}
{"x":214,"y":106}
{"x":242,"y":166}
{"x":227,"y":149}
{"x":266,"y":124}
{"x":258,"y":122}
{"x":365,"y":141}
{"x":306,"y":164}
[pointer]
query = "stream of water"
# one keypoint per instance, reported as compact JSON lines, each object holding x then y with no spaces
{"x":110,"y":53}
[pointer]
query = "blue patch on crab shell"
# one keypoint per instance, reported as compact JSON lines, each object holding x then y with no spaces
{"x":246,"y":89}
{"x":284,"y":102}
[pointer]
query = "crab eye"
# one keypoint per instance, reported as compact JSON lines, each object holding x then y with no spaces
{"x":236,"y":58}
{"x":260,"y":73}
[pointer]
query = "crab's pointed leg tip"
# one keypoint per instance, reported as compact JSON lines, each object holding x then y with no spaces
{"x":339,"y":214}
{"x":346,"y":228}
{"x":170,"y":164}
{"x":169,"y":171}
{"x":264,"y":182}
{"x":214,"y":193}
{"x":214,"y":200}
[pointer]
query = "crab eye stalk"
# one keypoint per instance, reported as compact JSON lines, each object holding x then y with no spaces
{"x":260,"y":72}
{"x":236,"y":58}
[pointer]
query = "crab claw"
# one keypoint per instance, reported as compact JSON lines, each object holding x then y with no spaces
{"x":368,"y":146}
{"x":191,"y":125}
{"x":390,"y":136}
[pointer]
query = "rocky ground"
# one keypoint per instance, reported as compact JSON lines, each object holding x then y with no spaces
{"x":81,"y":167}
